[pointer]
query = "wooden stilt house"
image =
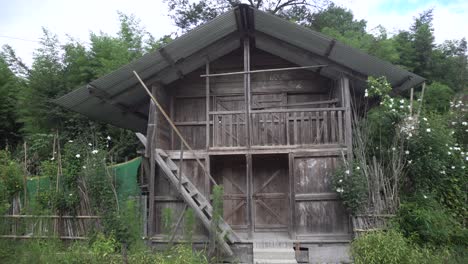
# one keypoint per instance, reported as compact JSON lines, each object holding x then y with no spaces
{"x":262,"y":107}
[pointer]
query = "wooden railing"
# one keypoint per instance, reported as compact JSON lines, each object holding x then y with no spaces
{"x":279,"y":127}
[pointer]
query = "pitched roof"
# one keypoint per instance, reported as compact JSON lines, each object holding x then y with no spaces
{"x":116,"y":98}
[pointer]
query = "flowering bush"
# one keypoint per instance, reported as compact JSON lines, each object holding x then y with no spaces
{"x":351,"y":186}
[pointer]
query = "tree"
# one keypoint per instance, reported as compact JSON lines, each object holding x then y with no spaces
{"x":9,"y":88}
{"x":188,"y":15}
{"x":423,"y":42}
{"x":339,"y":19}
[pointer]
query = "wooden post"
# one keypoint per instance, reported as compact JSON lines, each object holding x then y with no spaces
{"x":151,"y":148}
{"x":344,"y":81}
{"x":292,"y":199}
{"x":247,"y":90}
{"x":25,"y":180}
{"x":207,"y":84}
{"x":248,"y":159}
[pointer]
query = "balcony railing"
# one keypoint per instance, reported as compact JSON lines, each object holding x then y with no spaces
{"x":278,"y":127}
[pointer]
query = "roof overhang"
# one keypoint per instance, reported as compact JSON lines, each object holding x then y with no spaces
{"x":116,"y":98}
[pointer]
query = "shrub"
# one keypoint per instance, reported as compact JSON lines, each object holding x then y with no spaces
{"x":351,"y":186}
{"x":438,"y":97}
{"x":392,"y":247}
{"x":426,"y":222}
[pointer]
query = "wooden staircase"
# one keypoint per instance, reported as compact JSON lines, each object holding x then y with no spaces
{"x":195,"y":199}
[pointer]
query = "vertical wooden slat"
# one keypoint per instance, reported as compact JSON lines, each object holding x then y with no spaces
{"x":303,"y":128}
{"x":264,"y":129}
{"x":325,"y":127}
{"x":318,"y":128}
{"x":292,"y":198}
{"x":340,"y":127}
{"x":236,"y":129}
{"x":231,"y":131}
{"x":215,"y":130}
{"x":224,"y":136}
{"x":333,"y":126}
{"x":247,"y":90}
{"x":295,"y":127}
{"x":288,"y":140}
{"x":272,"y":130}
{"x":311,"y":128}
{"x":281,"y":128}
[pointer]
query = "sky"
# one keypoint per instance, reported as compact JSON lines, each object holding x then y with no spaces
{"x":21,"y":21}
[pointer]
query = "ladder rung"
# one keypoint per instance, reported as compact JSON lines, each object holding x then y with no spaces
{"x":161,"y":153}
{"x":203,"y":206}
{"x":194,"y":194}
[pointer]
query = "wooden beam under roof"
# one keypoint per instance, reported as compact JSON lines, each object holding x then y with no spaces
{"x":106,"y":98}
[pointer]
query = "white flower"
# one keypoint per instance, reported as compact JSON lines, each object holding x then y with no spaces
{"x":410,"y":161}
{"x":450,"y":153}
{"x":391,"y":99}
{"x":71,"y":141}
{"x":463,"y":167}
{"x":89,"y":144}
{"x":410,"y":118}
{"x":347,"y":171}
{"x":428,"y":130}
{"x":393,"y":149}
{"x":466,"y":158}
{"x":464,"y":123}
{"x":358,"y":168}
{"x":84,"y":167}
{"x":407,"y":152}
{"x":454,"y":123}
{"x":340,"y":181}
{"x":425,"y":119}
{"x":52,"y":158}
{"x":450,"y":148}
{"x":442,"y":172}
{"x":77,"y":155}
{"x":402,"y":101}
{"x":95,"y":151}
{"x":108,"y":138}
{"x":366,"y":93}
{"x":339,"y":190}
{"x":425,"y":197}
{"x":453,"y":167}
{"x":401,"y":106}
{"x":70,"y":194}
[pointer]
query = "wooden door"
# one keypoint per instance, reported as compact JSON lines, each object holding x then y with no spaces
{"x":270,"y":192}
{"x":230,"y":172}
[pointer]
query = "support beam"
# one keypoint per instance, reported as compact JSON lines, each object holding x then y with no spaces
{"x":264,"y":70}
{"x":247,"y":93}
{"x":107,"y":98}
{"x":344,"y":83}
{"x":207,"y":106}
{"x":171,"y":62}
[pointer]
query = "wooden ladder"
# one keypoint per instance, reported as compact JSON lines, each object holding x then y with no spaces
{"x":196,"y":201}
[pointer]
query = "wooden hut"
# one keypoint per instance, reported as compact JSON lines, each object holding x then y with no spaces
{"x":262,"y":107}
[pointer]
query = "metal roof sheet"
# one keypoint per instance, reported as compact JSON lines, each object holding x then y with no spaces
{"x":120,"y":84}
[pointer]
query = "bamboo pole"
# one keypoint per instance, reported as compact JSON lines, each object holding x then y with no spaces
{"x":176,"y":130}
{"x":248,"y":71}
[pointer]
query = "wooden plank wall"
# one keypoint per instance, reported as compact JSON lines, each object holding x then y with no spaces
{"x":318,"y":210}
{"x":188,"y":94}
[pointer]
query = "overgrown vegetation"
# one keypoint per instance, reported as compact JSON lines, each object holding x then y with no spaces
{"x":409,"y":162}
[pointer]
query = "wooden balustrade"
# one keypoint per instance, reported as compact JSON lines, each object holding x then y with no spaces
{"x":281,"y":127}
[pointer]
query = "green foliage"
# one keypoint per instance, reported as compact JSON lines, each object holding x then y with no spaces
{"x":167,"y":217}
{"x":11,"y":179}
{"x":351,"y":186}
{"x":189,"y":224}
{"x":101,"y":250}
{"x":392,"y":247}
{"x":438,"y":97}
{"x":426,"y":222}
{"x":437,"y":164}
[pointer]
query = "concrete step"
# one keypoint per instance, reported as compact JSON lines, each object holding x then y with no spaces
{"x":274,"y":253}
{"x":274,"y":261}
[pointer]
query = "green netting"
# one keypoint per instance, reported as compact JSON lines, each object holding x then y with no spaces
{"x":126,"y":177}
